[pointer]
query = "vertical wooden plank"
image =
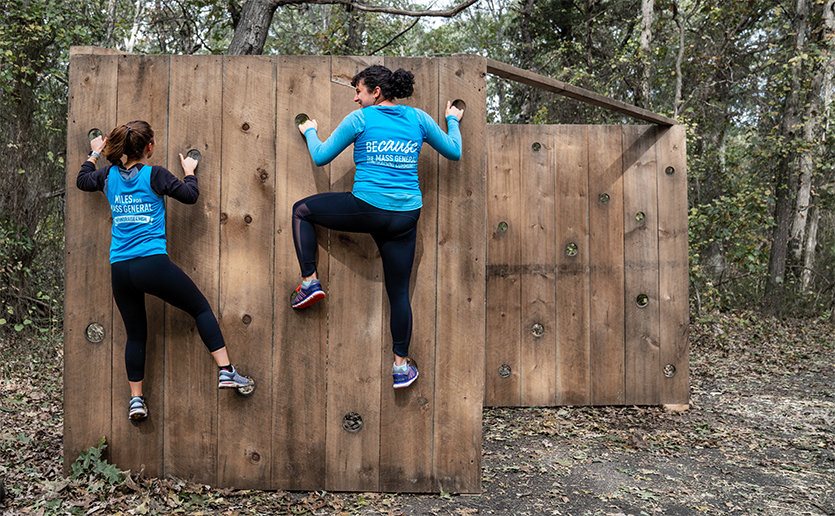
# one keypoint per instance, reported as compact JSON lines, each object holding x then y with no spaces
{"x":538,"y":256}
{"x":462,"y":253}
{"x":143,"y":95}
{"x":606,"y":264}
{"x":193,"y":243}
{"x":300,"y":350}
{"x":355,"y":329}
{"x":87,"y":297}
{"x":640,"y":247}
{"x":573,"y":354}
{"x":407,"y":415}
{"x":673,"y":267}
{"x":246,"y":259}
{"x":505,"y":223}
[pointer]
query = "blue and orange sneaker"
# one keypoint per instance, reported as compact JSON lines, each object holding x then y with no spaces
{"x":405,"y":379}
{"x":304,"y":297}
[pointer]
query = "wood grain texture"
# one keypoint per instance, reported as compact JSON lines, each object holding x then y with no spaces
{"x":573,"y":353}
{"x":407,"y":415}
{"x":193,"y":244}
{"x":673,"y":267}
{"x":462,"y":253}
{"x":640,"y":247}
{"x":505,"y":226}
{"x":143,"y":86}
{"x":87,"y":297}
{"x":246,"y":261}
{"x":317,"y":365}
{"x":539,"y":229}
{"x":355,"y":322}
{"x":300,"y":350}
{"x":606,"y":264}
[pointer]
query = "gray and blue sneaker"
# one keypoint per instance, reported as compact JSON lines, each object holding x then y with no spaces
{"x":231,"y":380}
{"x":137,"y":410}
{"x":405,"y":379}
{"x":304,"y":297}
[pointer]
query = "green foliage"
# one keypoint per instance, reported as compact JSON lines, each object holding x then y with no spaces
{"x":35,"y":36}
{"x":90,"y":466}
{"x":13,"y":242}
{"x":736,"y":226}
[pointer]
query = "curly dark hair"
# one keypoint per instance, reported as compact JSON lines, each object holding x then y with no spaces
{"x":399,"y":84}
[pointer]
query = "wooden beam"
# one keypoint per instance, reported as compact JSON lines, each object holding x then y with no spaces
{"x":97,"y":51}
{"x":513,"y":73}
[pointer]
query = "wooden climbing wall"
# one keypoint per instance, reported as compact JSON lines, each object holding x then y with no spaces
{"x":587,"y":275}
{"x":314,"y":367}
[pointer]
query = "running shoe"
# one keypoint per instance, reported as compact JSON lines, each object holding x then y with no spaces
{"x":304,"y":297}
{"x":405,"y":379}
{"x":231,"y":379}
{"x":137,"y":410}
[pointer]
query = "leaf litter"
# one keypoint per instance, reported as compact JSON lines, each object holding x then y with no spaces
{"x":758,"y":439}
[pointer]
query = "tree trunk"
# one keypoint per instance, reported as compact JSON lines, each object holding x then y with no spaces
{"x":111,"y":23}
{"x":807,"y":169}
{"x":353,"y":44}
{"x":134,"y":31}
{"x":645,"y":41}
{"x":783,"y":183}
{"x":821,"y":86}
{"x":811,"y":243}
{"x":529,"y":106}
{"x":590,"y":15}
{"x":829,"y":25}
{"x":253,"y":27}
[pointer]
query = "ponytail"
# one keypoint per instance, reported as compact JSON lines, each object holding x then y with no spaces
{"x":129,"y":139}
{"x":393,"y":85}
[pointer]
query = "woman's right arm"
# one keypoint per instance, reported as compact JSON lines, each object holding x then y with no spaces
{"x":89,"y":179}
{"x":344,"y":135}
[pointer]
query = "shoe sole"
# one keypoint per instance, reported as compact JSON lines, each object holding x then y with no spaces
{"x":309,"y":300}
{"x":408,"y":383}
{"x":231,"y":385}
{"x":137,"y":416}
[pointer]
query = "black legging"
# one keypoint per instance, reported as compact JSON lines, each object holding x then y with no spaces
{"x":158,"y":276}
{"x":395,"y":233}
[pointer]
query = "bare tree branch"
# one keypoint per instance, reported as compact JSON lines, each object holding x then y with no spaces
{"x":389,"y":42}
{"x":256,"y":16}
{"x":446,"y":13}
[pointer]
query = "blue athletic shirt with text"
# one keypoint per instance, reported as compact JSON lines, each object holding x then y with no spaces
{"x":138,"y":216}
{"x":387,"y":141}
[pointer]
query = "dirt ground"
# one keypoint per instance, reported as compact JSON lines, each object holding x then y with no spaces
{"x":758,"y":439}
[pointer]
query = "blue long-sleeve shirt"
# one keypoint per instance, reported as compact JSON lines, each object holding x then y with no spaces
{"x":387,"y":141}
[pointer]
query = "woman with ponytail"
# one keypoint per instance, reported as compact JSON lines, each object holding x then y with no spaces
{"x":386,"y":198}
{"x":139,"y":262}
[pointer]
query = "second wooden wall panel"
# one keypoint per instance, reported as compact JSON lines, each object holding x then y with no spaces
{"x":246,"y":262}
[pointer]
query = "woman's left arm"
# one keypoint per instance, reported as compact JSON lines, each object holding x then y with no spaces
{"x":447,"y":145}
{"x":163,"y":182}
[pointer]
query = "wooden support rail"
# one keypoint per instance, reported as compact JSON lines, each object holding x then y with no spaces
{"x":513,"y":73}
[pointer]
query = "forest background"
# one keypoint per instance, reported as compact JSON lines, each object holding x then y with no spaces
{"x":751,"y":80}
